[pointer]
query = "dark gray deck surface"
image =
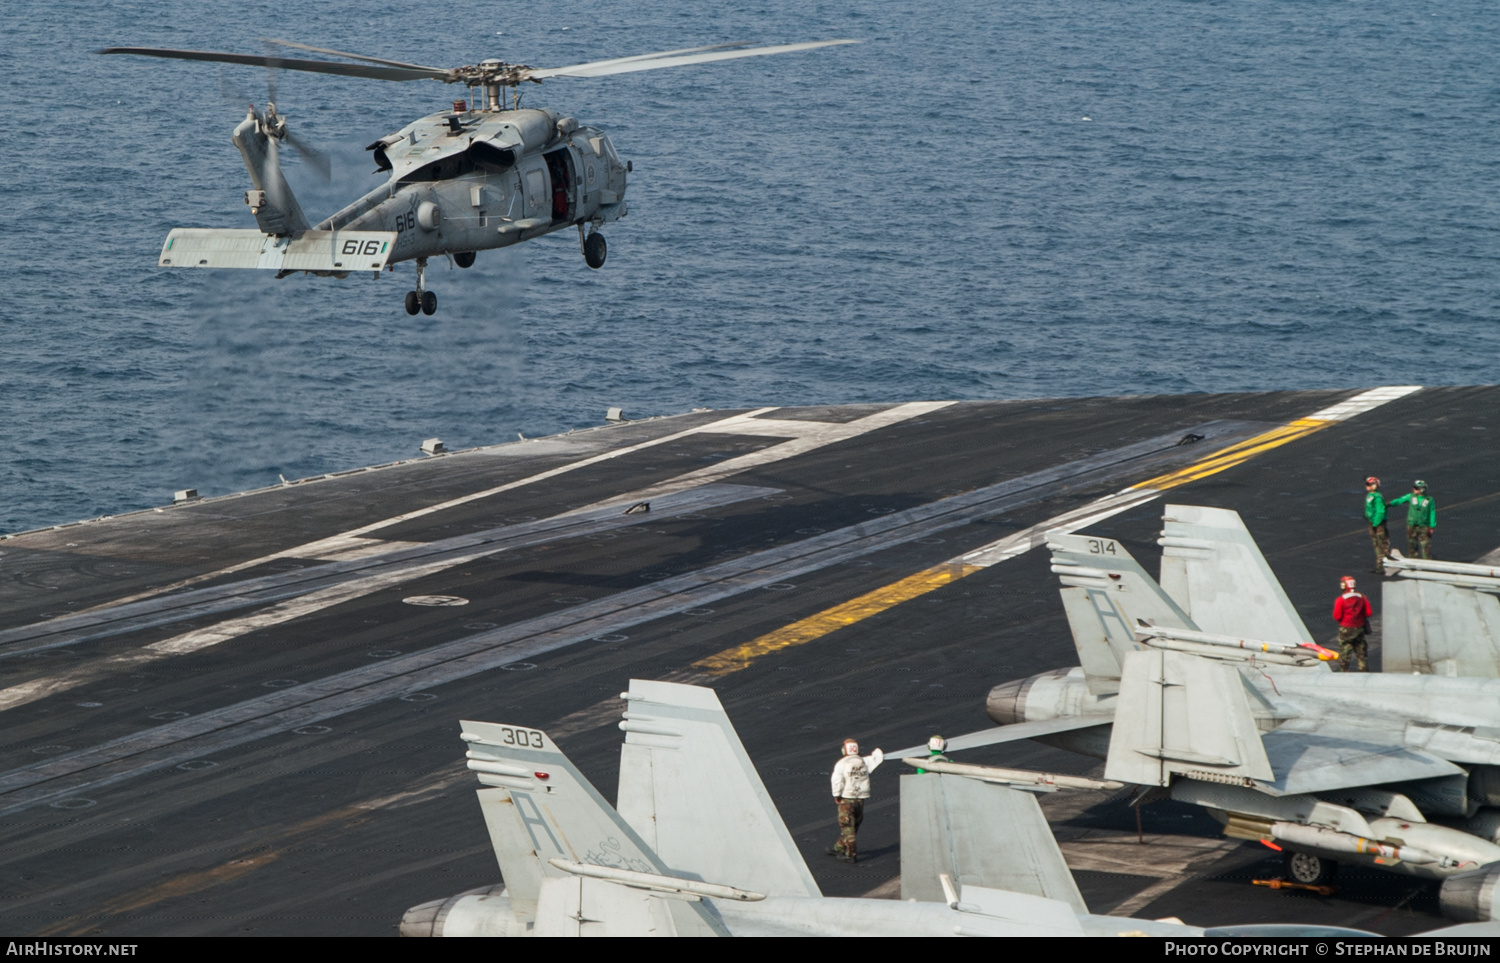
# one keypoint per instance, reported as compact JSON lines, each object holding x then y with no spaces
{"x":303,"y":773}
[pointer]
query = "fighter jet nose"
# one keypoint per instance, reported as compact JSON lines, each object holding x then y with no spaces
{"x":1007,"y":702}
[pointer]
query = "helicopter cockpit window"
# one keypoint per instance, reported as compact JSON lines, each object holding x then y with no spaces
{"x":443,"y":169}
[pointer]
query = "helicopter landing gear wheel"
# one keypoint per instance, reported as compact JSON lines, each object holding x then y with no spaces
{"x":1310,"y":870}
{"x":413,"y":302}
{"x":464,"y":259}
{"x":429,"y":303}
{"x":595,"y":250}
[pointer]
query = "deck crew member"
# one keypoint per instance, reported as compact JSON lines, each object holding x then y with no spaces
{"x":936,"y":747}
{"x":1380,"y":536}
{"x":851,"y":787}
{"x":1352,"y":611}
{"x":1421,"y":519}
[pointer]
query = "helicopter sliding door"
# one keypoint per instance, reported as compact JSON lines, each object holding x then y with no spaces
{"x":560,"y":169}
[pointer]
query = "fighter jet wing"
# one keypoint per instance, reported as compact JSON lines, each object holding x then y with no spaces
{"x":980,"y":836}
{"x":1325,"y":757}
{"x":1013,"y":733}
{"x":1439,"y":629}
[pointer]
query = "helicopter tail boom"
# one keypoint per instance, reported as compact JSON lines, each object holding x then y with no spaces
{"x":320,"y":252}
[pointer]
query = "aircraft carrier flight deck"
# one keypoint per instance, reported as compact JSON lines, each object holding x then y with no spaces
{"x":240,"y":714}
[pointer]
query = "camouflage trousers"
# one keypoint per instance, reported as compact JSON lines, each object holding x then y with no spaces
{"x":1352,"y":643}
{"x":1418,"y":541}
{"x":1380,"y":537}
{"x":851,"y":814}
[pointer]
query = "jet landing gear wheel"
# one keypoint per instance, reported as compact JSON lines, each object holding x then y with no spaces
{"x":413,"y":302}
{"x":1310,"y":870}
{"x":429,"y":303}
{"x":595,"y":251}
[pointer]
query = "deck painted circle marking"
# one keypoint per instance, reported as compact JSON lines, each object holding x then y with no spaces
{"x":167,"y":716}
{"x":436,"y":601}
{"x":776,"y":498}
{"x":811,"y":531}
{"x":89,"y":705}
{"x":518,"y":667}
{"x":612,"y":638}
{"x":699,"y":612}
{"x":601,"y":536}
{"x":779,"y":587}
{"x":279,"y":683}
{"x":384,"y":653}
{"x":880,"y":511}
{"x":570,"y":600}
{"x":312,"y":730}
{"x":691,"y":516}
{"x":931,"y":541}
{"x":480,"y":626}
{"x":77,"y":802}
{"x":197,"y":765}
{"x":418,"y":697}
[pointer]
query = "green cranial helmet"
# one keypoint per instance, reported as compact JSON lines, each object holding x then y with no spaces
{"x":1419,"y":484}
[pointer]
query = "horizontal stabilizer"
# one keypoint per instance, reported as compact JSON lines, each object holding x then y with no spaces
{"x":979,"y":835}
{"x":1014,"y":733}
{"x":328,"y":251}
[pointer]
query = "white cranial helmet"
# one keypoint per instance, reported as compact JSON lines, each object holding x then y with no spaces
{"x":937,"y":744}
{"x":851,"y":748}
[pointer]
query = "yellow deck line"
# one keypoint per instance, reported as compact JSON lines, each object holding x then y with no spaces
{"x":828,"y":620}
{"x":1236,"y":454}
{"x":872,"y":603}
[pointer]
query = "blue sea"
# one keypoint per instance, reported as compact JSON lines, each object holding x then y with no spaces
{"x":982,"y":200}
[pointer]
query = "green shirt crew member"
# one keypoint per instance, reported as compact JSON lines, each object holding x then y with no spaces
{"x":1421,"y":519}
{"x":1380,"y":536}
{"x":936,"y":747}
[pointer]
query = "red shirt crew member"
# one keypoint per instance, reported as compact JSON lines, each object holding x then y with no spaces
{"x":1352,"y":611}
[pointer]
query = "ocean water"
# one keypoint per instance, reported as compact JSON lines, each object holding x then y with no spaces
{"x":982,"y":200}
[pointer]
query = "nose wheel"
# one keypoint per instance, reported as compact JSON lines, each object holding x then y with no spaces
{"x":421,"y":299}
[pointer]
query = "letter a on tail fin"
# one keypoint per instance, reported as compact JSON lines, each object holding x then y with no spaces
{"x":1179,"y":713}
{"x":690,"y":790}
{"x":980,"y":835}
{"x":541,"y":808}
{"x":1213,"y":569}
{"x":1105,"y":594}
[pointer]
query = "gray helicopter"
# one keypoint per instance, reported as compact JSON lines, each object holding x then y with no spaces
{"x":487,"y":174}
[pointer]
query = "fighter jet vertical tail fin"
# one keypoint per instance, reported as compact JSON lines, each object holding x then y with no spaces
{"x":1106,"y":594}
{"x":689,"y":788}
{"x":541,"y":812}
{"x":979,"y":835}
{"x":1213,"y":569}
{"x":1437,"y":629}
{"x":1180,"y":713}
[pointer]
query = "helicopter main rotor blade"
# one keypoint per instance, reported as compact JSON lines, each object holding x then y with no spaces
{"x":673,"y":58}
{"x":283,"y":63}
{"x":352,"y":56}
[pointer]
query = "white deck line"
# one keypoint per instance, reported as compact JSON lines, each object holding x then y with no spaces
{"x":807,"y":435}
